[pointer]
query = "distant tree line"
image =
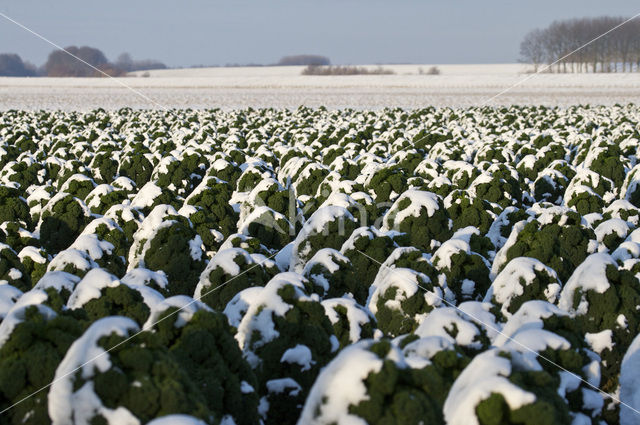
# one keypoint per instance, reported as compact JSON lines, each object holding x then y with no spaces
{"x":304,"y":60}
{"x":344,"y":70}
{"x":11,"y":65}
{"x":61,"y":63}
{"x":94,"y":63}
{"x":618,"y":51}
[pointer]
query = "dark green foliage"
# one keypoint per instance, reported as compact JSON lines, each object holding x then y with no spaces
{"x":424,"y":229}
{"x":182,"y":175}
{"x":505,"y":222}
{"x":309,"y":179}
{"x":137,"y":167}
{"x":495,"y":167}
{"x":208,"y":228}
{"x":250,"y":274}
{"x":206,"y":350}
{"x":106,"y":167}
{"x":502,"y":189}
{"x":462,"y":178}
{"x":251,"y":176}
{"x":248,"y":243}
{"x":609,"y":163}
{"x":342,"y":326}
{"x":13,"y":207}
{"x":622,"y":210}
{"x":119,"y":300}
{"x":305,"y":323}
{"x":35,"y":269}
{"x":112,"y":262}
{"x":550,"y":187}
{"x":215,"y":212}
{"x":62,"y":224}
{"x":274,"y":197}
{"x":533,"y":290}
{"x":79,"y":186}
{"x":561,"y":247}
{"x":465,"y":210}
{"x":333,"y":234}
{"x":108,"y":200}
{"x":16,"y":236}
{"x":599,"y":184}
{"x":347,"y":168}
{"x":270,"y":227}
{"x":402,"y":396}
{"x":414,"y":259}
{"x":229,"y":173}
{"x":612,"y":240}
{"x":440,"y":186}
{"x":12,"y":271}
{"x":387,"y":180}
{"x":28,"y":361}
{"x":585,"y":202}
{"x":633,"y":194}
{"x":549,"y":407}
{"x":26,"y":175}
{"x":399,"y":393}
{"x":408,"y":160}
{"x":116,"y":237}
{"x":170,"y":252}
{"x":394,"y":321}
{"x":328,"y":282}
{"x":465,"y":267}
{"x":163,"y":386}
{"x":621,"y":298}
{"x":366,"y":250}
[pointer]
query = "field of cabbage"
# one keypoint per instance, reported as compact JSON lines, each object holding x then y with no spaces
{"x":451,"y":265}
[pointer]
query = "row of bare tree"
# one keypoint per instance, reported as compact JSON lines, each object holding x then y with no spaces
{"x":584,"y":45}
{"x":75,"y":62}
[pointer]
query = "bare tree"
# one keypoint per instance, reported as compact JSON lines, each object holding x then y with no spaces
{"x":61,"y":63}
{"x":532,"y":49}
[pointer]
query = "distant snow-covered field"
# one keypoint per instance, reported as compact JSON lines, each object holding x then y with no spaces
{"x":285,"y":87}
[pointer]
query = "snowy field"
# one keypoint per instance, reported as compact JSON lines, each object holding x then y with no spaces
{"x":285,"y":87}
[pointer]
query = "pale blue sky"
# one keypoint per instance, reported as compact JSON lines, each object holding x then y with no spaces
{"x":190,"y":32}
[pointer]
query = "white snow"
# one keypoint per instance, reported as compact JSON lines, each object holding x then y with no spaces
{"x":282,"y":385}
{"x":57,"y":280}
{"x":186,"y":306}
{"x":144,"y":277}
{"x":600,"y":341}
{"x":90,"y":287}
{"x":444,"y":321}
{"x":176,"y":420}
{"x":300,"y":355}
{"x":486,"y":374}
{"x":17,"y":315}
{"x":419,"y":199}
{"x":407,"y":281}
{"x":630,"y":384}
{"x":67,"y":405}
{"x":590,"y":275}
{"x":516,"y":275}
{"x":341,"y":384}
{"x":258,"y":319}
{"x":356,"y":315}
{"x":8,"y":297}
